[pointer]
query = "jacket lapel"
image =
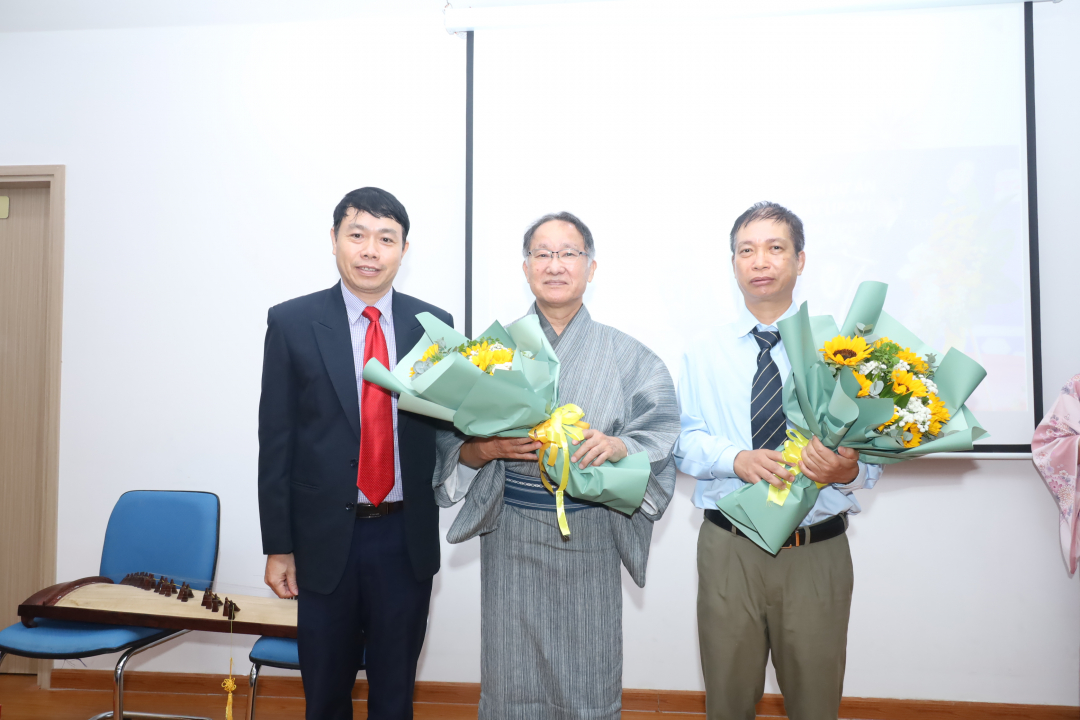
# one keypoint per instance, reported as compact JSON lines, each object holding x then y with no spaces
{"x":407,"y":332}
{"x":407,"y":329}
{"x":335,"y":346}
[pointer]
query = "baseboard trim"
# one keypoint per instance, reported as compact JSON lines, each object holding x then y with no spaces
{"x":669,"y":701}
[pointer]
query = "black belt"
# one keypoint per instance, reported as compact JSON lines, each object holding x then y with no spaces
{"x":365,"y":511}
{"x":825,"y":530}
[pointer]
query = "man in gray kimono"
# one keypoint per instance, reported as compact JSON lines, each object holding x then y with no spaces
{"x":552,"y":609}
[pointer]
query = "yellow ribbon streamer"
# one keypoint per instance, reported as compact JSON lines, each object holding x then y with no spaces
{"x":792,"y":454}
{"x":564,"y":422}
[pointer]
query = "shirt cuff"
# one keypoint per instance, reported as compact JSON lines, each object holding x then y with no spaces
{"x":860,"y":480}
{"x":466,"y":474}
{"x":724,"y":467}
{"x":459,"y":482}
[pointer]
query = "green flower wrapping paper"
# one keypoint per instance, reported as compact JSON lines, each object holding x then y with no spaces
{"x":823,"y":401}
{"x":510,"y":403}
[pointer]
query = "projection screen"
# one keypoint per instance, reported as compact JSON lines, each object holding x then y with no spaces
{"x":898,"y":137}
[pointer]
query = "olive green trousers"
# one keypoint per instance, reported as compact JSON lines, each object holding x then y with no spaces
{"x":795,"y":605}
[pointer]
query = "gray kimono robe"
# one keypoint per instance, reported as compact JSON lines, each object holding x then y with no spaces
{"x":552,"y":609}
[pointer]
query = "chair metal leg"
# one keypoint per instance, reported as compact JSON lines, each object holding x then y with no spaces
{"x":253,"y":681}
{"x":2,"y":656}
{"x":118,"y":688}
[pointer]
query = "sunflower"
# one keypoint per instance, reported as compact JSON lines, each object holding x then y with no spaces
{"x":846,"y":351}
{"x":915,"y":363}
{"x":895,"y":415}
{"x":916,"y":435}
{"x":864,"y":384}
{"x":904,"y":382}
{"x":939,"y":414}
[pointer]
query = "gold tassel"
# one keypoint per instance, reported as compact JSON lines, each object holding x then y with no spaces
{"x":230,"y":685}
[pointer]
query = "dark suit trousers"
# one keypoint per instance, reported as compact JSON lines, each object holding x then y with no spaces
{"x":378,"y":605}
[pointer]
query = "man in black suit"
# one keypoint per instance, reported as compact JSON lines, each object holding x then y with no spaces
{"x":349,"y":521}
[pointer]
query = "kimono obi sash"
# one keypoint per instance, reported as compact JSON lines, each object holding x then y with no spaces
{"x":525,"y":491}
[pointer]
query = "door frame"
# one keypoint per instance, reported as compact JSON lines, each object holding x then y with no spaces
{"x":53,"y":178}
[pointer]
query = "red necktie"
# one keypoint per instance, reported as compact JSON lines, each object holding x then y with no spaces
{"x":375,"y":476}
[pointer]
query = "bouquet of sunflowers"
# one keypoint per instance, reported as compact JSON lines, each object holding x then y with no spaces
{"x":884,"y":369}
{"x":870,"y":385}
{"x":505,"y":382}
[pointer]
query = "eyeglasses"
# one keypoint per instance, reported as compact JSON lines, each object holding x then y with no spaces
{"x":546,"y":256}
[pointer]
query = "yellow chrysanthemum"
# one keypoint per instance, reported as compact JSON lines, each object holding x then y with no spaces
{"x":939,"y":414}
{"x":916,"y":435}
{"x":846,"y":351}
{"x":904,"y":382}
{"x":864,"y":384}
{"x":916,"y":363}
{"x":429,"y":354}
{"x":486,"y":355}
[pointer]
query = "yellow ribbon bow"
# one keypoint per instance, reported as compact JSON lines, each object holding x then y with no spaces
{"x":792,"y":453}
{"x":564,"y":422}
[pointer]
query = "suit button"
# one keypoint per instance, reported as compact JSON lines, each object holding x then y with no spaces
{"x":350,"y":506}
{"x":352,"y":462}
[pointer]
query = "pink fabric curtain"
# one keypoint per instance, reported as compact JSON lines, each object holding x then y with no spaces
{"x":1055,"y":448}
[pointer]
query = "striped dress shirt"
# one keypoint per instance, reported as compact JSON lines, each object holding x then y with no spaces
{"x":358,"y":325}
{"x":714,"y":404}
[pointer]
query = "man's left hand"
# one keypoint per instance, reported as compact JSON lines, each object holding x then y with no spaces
{"x":822,"y":465}
{"x":596,"y":448}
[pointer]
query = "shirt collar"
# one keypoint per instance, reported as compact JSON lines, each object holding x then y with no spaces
{"x":355,"y":307}
{"x":748,"y":322}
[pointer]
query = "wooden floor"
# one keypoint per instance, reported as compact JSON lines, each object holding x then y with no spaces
{"x":81,"y":694}
{"x":21,"y":699}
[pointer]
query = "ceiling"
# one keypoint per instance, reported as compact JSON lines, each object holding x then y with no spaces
{"x":49,"y":15}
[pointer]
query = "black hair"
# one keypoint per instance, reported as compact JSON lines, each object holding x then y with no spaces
{"x":374,"y":201}
{"x":586,"y":234}
{"x":771,"y":211}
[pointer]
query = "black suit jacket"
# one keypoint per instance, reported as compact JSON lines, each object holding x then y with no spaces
{"x":309,"y":440}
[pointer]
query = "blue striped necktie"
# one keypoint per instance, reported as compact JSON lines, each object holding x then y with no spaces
{"x":767,"y":420}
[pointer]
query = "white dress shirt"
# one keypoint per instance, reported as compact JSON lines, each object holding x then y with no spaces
{"x":714,"y":403}
{"x":358,"y":325}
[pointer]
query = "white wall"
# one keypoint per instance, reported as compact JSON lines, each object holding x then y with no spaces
{"x":203,"y":164}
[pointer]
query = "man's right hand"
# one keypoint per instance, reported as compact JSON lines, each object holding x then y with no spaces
{"x":478,"y":452}
{"x":281,"y":575}
{"x":753,"y":466}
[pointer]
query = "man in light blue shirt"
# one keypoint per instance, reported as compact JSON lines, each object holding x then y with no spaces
{"x":795,"y":604}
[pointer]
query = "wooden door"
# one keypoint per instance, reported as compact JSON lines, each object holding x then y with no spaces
{"x":29,"y":378}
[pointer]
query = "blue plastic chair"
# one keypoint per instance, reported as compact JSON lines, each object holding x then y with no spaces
{"x":275,"y":652}
{"x":171,"y":533}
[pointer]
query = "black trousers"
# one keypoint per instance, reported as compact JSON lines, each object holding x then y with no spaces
{"x":377,"y":616}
